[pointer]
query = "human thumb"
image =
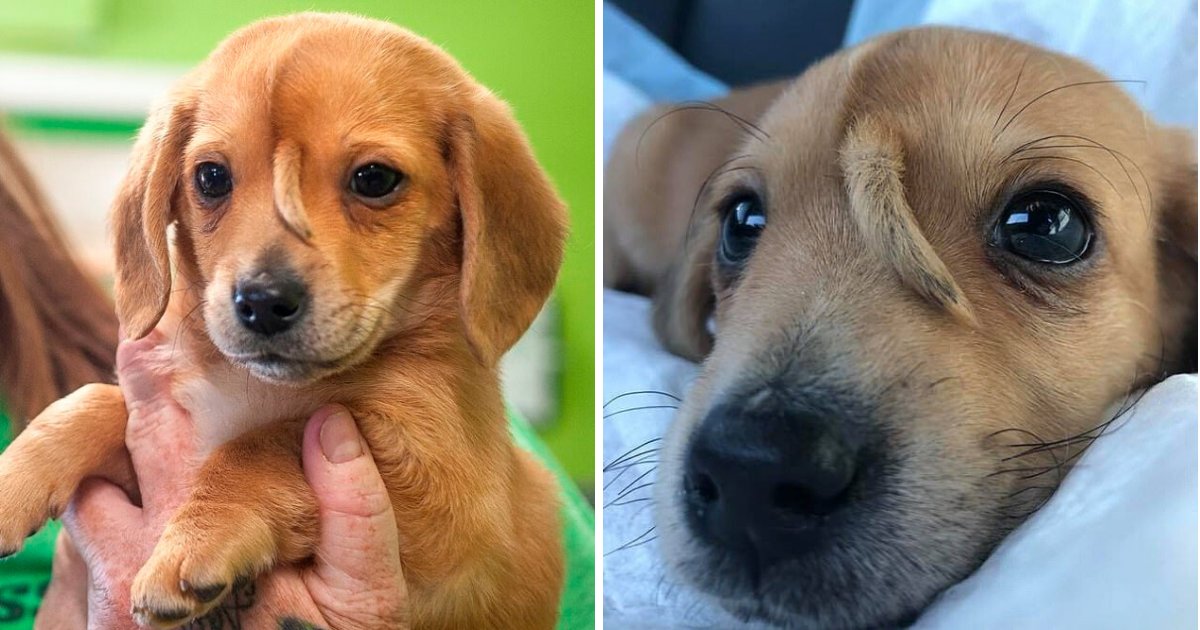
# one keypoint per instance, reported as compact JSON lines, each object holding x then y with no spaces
{"x":358,"y":554}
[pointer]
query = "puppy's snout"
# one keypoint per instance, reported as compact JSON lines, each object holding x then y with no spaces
{"x":269,"y":304}
{"x":760,"y":480}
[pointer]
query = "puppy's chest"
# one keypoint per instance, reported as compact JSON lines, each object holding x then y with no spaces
{"x":224,"y":404}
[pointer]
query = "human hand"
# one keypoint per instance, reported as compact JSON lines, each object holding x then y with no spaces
{"x":355,"y":580}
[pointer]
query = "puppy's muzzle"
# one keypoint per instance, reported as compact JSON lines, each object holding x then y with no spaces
{"x":268,"y":303}
{"x":764,"y":477}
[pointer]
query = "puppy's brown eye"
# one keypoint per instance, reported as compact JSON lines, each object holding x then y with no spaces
{"x":374,"y":180}
{"x":213,"y":180}
{"x":744,"y":222}
{"x":1044,"y":226}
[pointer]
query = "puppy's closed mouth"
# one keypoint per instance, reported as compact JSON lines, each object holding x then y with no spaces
{"x":273,"y":359}
{"x":276,"y":367}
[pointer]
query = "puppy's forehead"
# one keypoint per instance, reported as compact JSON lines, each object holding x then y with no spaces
{"x":330,"y":75}
{"x":963,"y":105}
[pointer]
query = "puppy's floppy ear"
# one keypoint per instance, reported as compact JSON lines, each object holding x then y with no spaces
{"x":514,"y":226}
{"x":142,"y":212}
{"x":1175,"y":204}
{"x":684,"y":300}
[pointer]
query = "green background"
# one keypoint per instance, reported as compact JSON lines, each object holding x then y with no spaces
{"x":536,"y":54}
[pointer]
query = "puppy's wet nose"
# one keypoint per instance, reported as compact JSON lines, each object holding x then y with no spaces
{"x":763,"y":480}
{"x":268,"y":305}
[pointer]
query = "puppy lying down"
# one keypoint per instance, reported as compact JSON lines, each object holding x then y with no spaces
{"x":934,"y":264}
{"x":354,"y":220}
{"x":1120,"y":532}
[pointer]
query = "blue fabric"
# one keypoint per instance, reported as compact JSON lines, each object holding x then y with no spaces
{"x":640,"y":70}
{"x":869,"y":18}
{"x":648,"y":65}
{"x":1154,"y":42}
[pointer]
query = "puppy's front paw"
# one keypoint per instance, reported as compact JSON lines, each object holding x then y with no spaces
{"x":29,"y":497}
{"x":195,"y":564}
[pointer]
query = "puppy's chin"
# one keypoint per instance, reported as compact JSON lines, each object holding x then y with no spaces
{"x":286,"y":371}
{"x":292,"y":361}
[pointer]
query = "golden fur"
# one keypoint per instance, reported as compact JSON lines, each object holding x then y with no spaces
{"x":873,"y":294}
{"x":414,"y":298}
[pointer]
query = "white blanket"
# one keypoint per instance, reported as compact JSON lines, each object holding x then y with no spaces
{"x":1114,"y":548}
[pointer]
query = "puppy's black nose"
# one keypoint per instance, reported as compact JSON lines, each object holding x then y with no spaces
{"x":269,"y":305}
{"x":761,"y":479}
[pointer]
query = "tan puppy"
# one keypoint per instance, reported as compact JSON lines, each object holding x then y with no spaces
{"x":933,"y":262}
{"x":356,"y":220}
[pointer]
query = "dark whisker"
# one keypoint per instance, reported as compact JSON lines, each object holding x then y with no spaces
{"x":1083,"y":440}
{"x":629,"y":487}
{"x":1012,"y":93}
{"x":1070,"y":159}
{"x":720,"y":170}
{"x":1029,"y":488}
{"x":645,"y":459}
{"x":708,"y":106}
{"x":1117,"y":156}
{"x":640,"y":540}
{"x":185,"y":322}
{"x":645,"y":408}
{"x":1060,"y":88}
{"x":750,"y":128}
{"x":633,"y":452}
{"x":629,"y":501}
{"x":640,"y":393}
{"x":634,"y":489}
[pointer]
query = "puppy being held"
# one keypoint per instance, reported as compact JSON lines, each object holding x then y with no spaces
{"x":355,"y":220}
{"x":934,"y":263}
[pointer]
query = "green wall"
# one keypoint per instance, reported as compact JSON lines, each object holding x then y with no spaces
{"x":537,"y":55}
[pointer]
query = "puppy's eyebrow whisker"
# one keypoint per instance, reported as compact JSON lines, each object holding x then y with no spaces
{"x":289,"y":203}
{"x":1011,"y":94}
{"x":707,"y":106}
{"x":1060,"y":88}
{"x":751,"y":129}
{"x":725,"y":167}
{"x":872,"y":163}
{"x":1117,"y":156}
{"x":1070,"y":159}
